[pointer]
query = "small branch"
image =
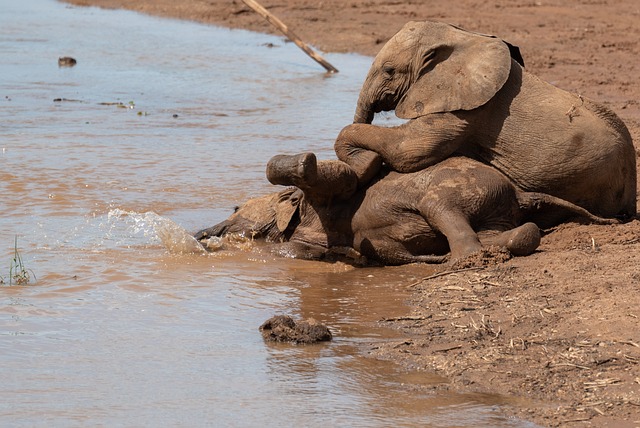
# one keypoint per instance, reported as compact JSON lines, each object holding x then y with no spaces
{"x":447,"y":349}
{"x":448,"y":272}
{"x":273,"y":20}
{"x":628,"y":342}
{"x":569,"y":365}
{"x":407,"y":318}
{"x":566,"y":421}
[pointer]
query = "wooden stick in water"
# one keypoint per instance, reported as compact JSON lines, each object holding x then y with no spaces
{"x":273,"y":20}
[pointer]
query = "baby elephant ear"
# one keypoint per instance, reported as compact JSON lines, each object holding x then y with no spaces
{"x":286,"y":207}
{"x":462,"y":73}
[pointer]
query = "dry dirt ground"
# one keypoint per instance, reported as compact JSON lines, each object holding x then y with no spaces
{"x":560,"y":328}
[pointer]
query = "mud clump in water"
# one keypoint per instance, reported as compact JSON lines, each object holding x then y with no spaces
{"x":66,"y":61}
{"x":282,"y":328}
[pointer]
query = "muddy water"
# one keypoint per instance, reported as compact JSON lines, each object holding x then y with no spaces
{"x":166,"y":121}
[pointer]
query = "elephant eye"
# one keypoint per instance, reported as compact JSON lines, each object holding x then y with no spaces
{"x":388,"y":70}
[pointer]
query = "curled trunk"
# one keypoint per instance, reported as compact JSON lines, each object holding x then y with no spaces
{"x":364,"y":111}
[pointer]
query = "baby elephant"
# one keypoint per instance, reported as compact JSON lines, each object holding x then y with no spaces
{"x":456,"y":206}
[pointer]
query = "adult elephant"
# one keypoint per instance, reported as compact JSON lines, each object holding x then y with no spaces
{"x":458,"y":205}
{"x":467,"y":93}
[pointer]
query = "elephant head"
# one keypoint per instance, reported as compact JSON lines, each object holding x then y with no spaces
{"x":430,"y":67}
{"x":313,"y":215}
{"x":272,"y":217}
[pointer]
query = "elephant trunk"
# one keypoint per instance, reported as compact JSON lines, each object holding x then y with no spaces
{"x":298,"y":170}
{"x":320,"y":181}
{"x":364,"y":110}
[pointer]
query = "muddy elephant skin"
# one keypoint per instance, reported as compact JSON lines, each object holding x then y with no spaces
{"x":456,"y":206}
{"x":468,"y":93}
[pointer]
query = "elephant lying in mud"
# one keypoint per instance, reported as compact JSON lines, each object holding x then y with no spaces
{"x":458,"y":205}
{"x":467,"y":94}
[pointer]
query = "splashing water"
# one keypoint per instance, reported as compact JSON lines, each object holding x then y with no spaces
{"x":174,"y":237}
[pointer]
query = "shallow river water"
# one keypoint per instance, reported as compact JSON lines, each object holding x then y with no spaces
{"x":164,"y":121}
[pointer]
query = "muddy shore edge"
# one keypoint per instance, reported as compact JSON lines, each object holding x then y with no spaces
{"x":558,"y":330}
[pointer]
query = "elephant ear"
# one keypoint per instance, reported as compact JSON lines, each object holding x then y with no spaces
{"x":286,"y":207}
{"x":462,"y":72}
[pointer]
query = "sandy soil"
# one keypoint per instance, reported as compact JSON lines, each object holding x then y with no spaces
{"x":560,"y":328}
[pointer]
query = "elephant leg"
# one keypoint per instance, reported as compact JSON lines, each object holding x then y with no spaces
{"x":389,"y":251}
{"x":410,"y":147}
{"x":453,"y":224}
{"x":327,"y":179}
{"x":520,"y":241}
{"x":299,"y":250}
{"x":351,"y":147}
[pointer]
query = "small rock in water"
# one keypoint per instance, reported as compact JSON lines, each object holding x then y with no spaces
{"x":66,"y":61}
{"x":282,"y":328}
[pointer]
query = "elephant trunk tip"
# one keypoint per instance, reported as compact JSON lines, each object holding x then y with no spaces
{"x":363,"y":117}
{"x":297,"y":170}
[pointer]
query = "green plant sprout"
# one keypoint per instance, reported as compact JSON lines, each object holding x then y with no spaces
{"x":18,"y":273}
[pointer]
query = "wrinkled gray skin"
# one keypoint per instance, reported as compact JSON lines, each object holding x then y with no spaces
{"x":458,"y":205}
{"x":463,"y":93}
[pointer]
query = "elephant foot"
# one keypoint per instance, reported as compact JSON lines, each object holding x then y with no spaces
{"x":297,"y":170}
{"x":520,"y":241}
{"x":464,"y":247}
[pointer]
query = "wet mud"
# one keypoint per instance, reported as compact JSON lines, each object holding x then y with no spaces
{"x":282,"y":328}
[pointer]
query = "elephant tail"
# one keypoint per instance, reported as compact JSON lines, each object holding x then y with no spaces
{"x":547,"y":211}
